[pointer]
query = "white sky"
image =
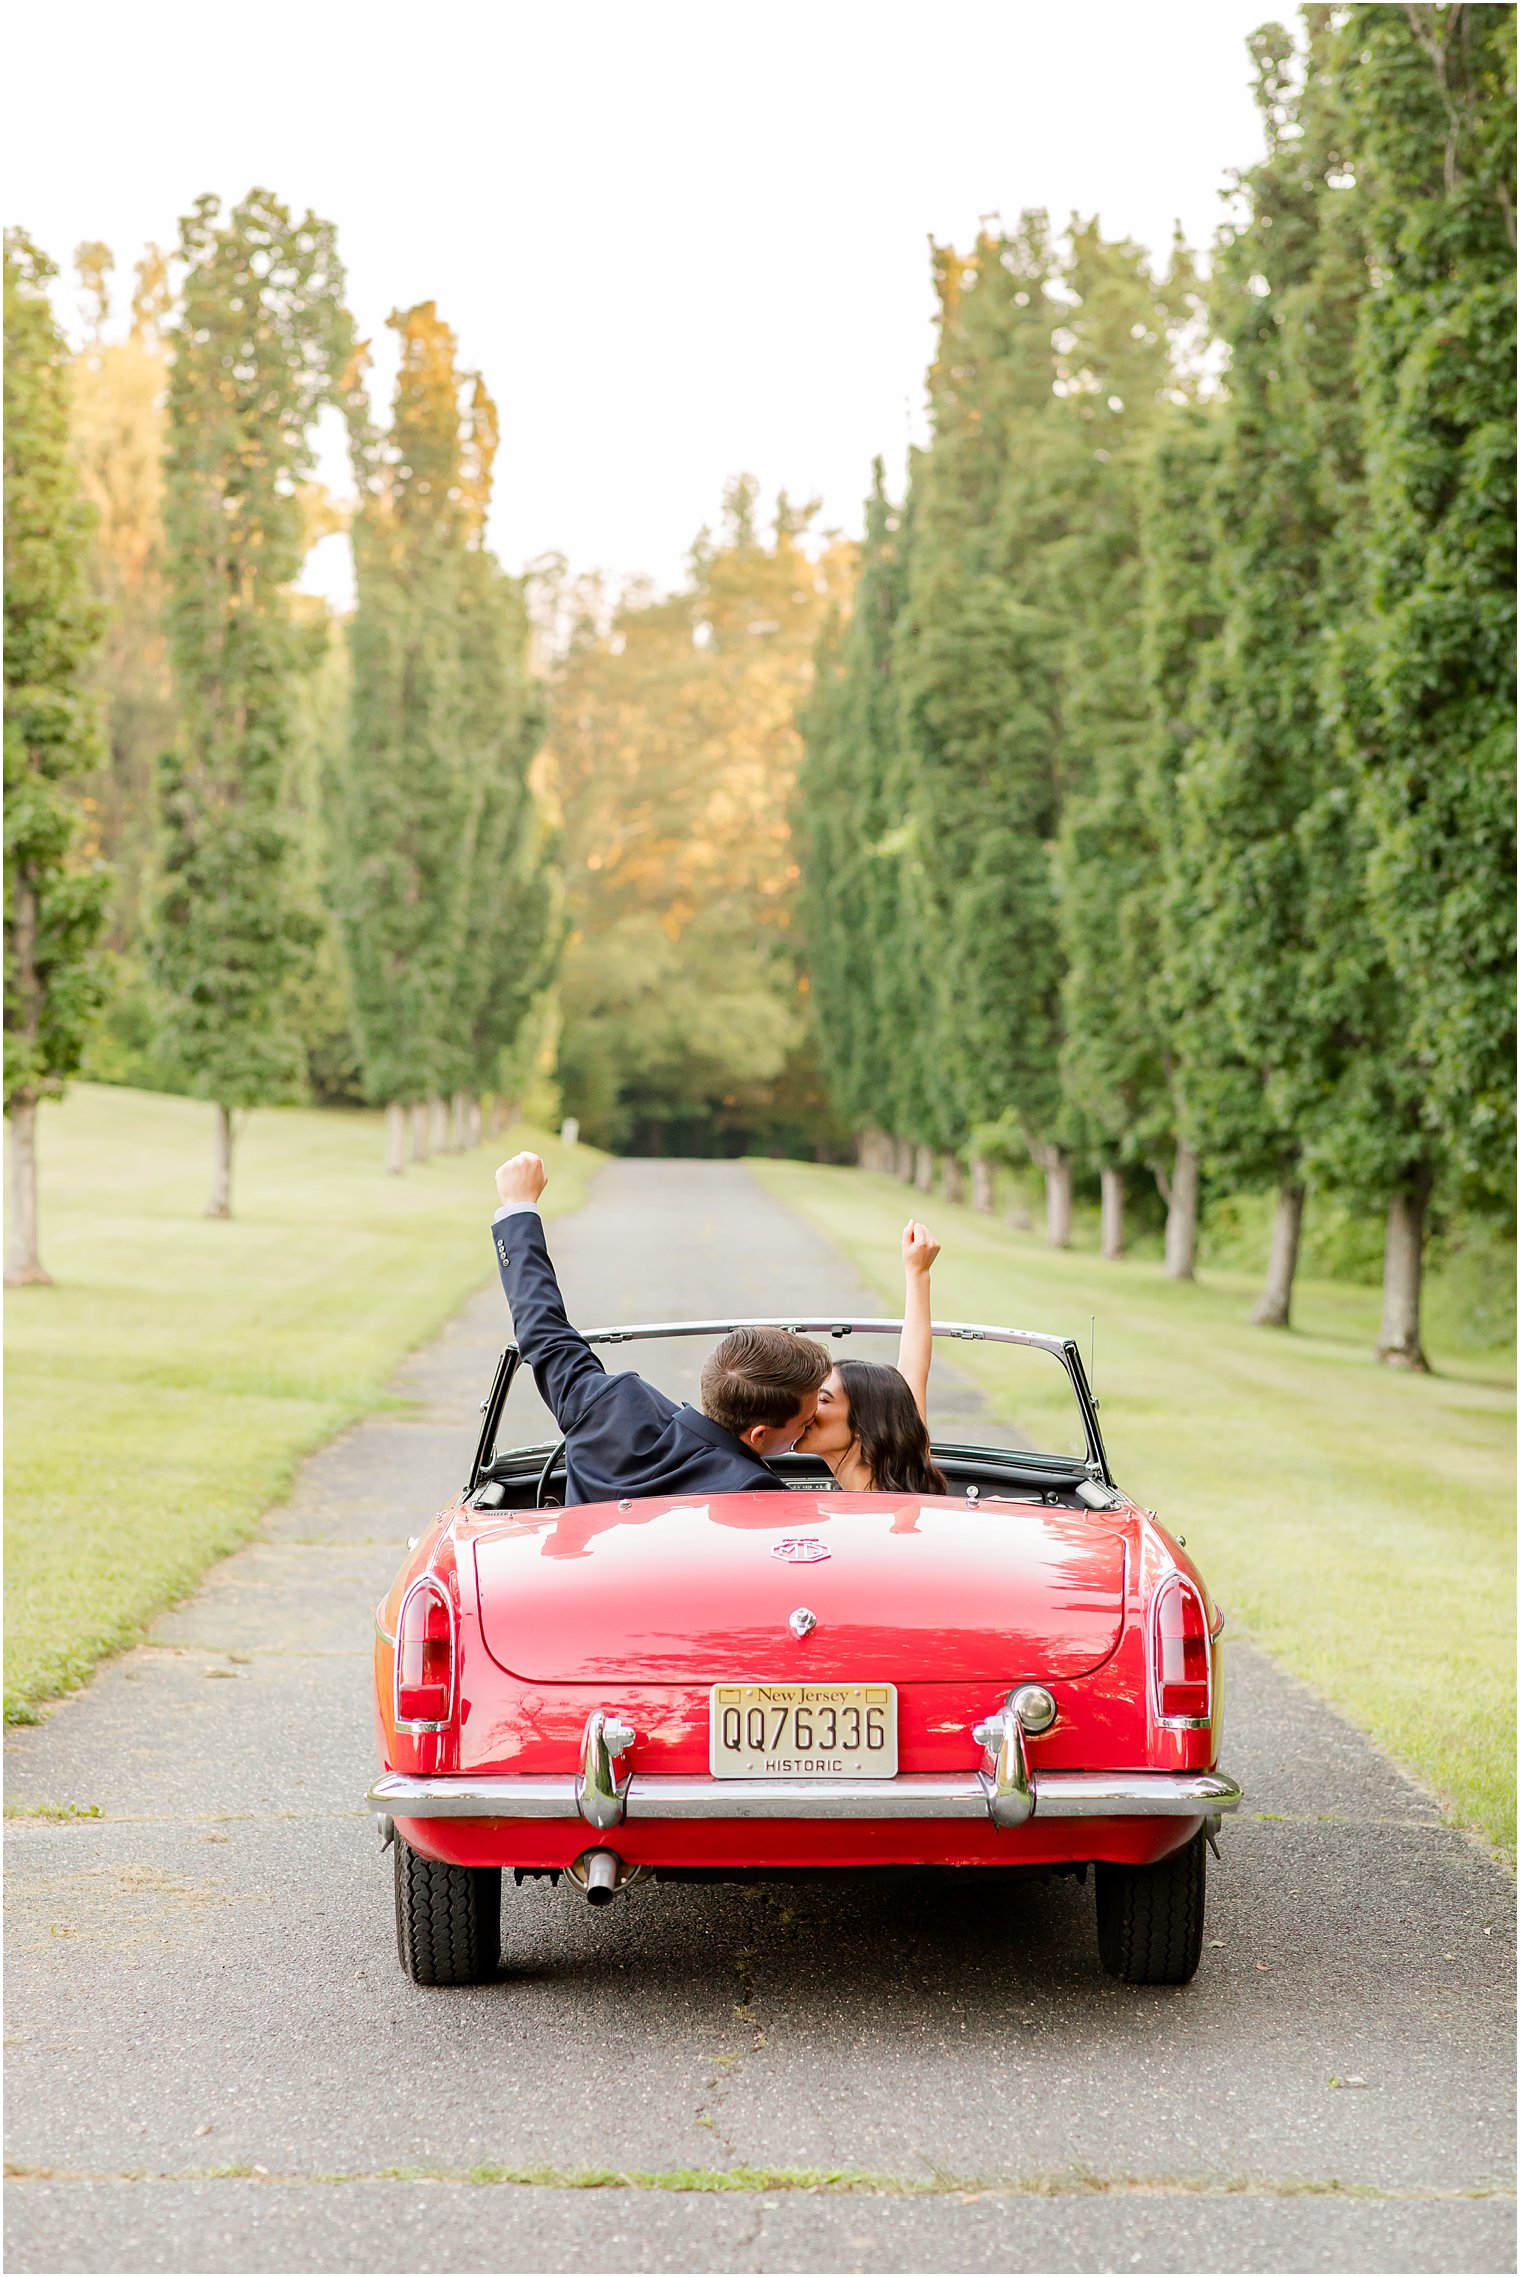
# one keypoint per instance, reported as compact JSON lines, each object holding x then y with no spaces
{"x":681,"y":238}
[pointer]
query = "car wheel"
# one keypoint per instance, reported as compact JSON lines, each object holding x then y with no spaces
{"x":1150,"y":1918}
{"x":448,"y":1919}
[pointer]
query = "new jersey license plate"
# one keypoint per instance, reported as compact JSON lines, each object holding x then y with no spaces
{"x":791,"y":1731}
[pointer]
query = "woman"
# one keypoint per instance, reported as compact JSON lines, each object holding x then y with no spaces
{"x":870,"y":1427}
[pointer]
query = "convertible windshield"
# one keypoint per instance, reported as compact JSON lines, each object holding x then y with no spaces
{"x":988,"y":1387}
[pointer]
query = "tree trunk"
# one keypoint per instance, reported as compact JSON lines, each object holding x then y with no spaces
{"x":953,"y":1172}
{"x":438,"y":1126}
{"x":1112,"y":1243}
{"x":1276,"y":1300}
{"x":457,"y":1123}
{"x":220,"y":1204}
{"x":923,"y":1169}
{"x":419,"y":1120}
{"x":1181,"y":1193}
{"x":395,"y":1138}
{"x":1398,"y":1344}
{"x":1018,"y":1209}
{"x":472,"y":1122}
{"x":902,"y":1156}
{"x":1057,"y":1198}
{"x":23,"y":1266}
{"x":983,"y":1185}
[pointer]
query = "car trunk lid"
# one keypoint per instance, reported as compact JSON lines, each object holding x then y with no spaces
{"x":903,"y":1589}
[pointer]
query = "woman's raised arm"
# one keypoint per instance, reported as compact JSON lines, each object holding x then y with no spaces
{"x":915,"y":1347}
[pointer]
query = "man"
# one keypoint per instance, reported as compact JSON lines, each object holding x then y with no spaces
{"x":622,"y":1436}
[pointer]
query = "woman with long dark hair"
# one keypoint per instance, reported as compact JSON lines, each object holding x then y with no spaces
{"x":871,"y":1424}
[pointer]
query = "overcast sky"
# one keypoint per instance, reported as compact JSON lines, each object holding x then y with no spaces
{"x":681,"y":238}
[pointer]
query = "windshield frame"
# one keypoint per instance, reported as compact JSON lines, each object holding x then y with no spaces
{"x":1062,"y":1348}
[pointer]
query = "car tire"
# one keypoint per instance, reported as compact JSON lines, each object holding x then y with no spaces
{"x":448,"y":1919}
{"x":1150,"y":1918}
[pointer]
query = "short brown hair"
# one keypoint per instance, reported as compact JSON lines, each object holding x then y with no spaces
{"x":760,"y":1375}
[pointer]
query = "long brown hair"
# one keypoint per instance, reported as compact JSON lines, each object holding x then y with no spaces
{"x":894,"y":1442}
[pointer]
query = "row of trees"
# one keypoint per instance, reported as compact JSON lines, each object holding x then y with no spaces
{"x":284,"y":835}
{"x":1158,"y":803}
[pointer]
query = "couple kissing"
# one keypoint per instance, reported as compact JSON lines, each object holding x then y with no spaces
{"x":765,"y":1391}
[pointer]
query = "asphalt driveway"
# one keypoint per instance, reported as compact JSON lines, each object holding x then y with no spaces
{"x":214,"y":2062}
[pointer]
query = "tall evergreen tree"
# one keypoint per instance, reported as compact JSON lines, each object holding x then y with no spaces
{"x":1274,"y":855}
{"x":1429,"y":97}
{"x":977,"y":664}
{"x":54,"y":900}
{"x":261,"y":339}
{"x":1116,"y":354}
{"x":861,"y":949}
{"x":444,"y":876}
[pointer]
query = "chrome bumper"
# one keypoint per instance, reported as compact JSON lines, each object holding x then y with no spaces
{"x":958,"y":1794}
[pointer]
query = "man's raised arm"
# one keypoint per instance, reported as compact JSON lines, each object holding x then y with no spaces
{"x":565,"y":1368}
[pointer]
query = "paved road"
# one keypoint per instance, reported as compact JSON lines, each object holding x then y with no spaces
{"x":215,"y":2063}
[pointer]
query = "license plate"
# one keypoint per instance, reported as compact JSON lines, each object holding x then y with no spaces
{"x":790,"y":1731}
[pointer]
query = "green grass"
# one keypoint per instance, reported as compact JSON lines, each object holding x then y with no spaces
{"x":161,"y":1394}
{"x":1357,"y":1522}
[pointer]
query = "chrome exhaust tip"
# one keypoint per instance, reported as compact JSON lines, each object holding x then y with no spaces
{"x":601,"y":1875}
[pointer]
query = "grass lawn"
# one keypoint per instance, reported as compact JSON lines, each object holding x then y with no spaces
{"x":1356,"y":1522}
{"x":160,"y":1396}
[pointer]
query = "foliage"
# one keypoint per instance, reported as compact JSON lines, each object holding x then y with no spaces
{"x":977,"y":663}
{"x":258,"y":346}
{"x":860,"y":903}
{"x":54,"y":896}
{"x":444,"y":862}
{"x":1119,"y":359}
{"x":119,"y":417}
{"x":1430,"y":111}
{"x":675,"y":750}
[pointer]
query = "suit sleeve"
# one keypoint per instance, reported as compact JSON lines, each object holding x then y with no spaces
{"x":566,"y":1370}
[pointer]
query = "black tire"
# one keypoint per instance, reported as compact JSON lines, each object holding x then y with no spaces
{"x":448,"y":1919}
{"x":1150,"y":1918}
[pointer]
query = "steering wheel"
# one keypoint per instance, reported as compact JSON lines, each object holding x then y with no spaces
{"x":546,"y":1474}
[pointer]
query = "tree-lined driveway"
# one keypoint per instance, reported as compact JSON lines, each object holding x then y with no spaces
{"x":214,"y":2062}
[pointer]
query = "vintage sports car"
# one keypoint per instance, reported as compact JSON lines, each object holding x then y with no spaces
{"x":1019,"y":1677}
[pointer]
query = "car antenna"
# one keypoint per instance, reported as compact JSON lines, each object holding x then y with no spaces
{"x":1092,"y":1352}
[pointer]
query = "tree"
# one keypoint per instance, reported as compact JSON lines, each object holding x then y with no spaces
{"x":1428,"y":94}
{"x":977,"y":652}
{"x":54,"y":899}
{"x":857,"y":909}
{"x":118,"y":422}
{"x":1118,"y":353}
{"x":445,"y":877}
{"x":1286,"y":974}
{"x":261,"y":341}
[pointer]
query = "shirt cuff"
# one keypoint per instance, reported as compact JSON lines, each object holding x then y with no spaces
{"x":510,"y":1209}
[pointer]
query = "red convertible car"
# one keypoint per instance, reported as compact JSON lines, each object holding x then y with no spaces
{"x":1018,"y":1677}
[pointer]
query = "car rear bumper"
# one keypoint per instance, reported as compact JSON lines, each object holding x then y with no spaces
{"x":956,"y":1795}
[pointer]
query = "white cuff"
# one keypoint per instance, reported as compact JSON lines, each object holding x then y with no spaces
{"x":510,"y":1209}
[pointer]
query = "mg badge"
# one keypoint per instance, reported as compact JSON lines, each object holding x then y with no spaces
{"x":800,"y":1549}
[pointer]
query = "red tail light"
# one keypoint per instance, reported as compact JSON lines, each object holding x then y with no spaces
{"x":425,"y":1655}
{"x":1180,"y":1653}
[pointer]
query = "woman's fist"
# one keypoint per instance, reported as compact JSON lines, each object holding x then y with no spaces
{"x":522,"y":1179}
{"x":919,"y":1247}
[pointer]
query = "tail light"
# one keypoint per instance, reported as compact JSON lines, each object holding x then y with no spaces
{"x":1180,"y":1659}
{"x":425,"y":1656}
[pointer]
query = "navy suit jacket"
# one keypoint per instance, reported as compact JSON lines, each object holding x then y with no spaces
{"x":622,"y":1436}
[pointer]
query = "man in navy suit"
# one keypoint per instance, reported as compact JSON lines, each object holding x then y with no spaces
{"x":622,"y":1436}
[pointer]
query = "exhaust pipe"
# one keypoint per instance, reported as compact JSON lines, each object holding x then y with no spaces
{"x":604,"y":1871}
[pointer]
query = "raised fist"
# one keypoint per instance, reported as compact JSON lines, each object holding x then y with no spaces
{"x":522,"y":1179}
{"x":919,"y":1247}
